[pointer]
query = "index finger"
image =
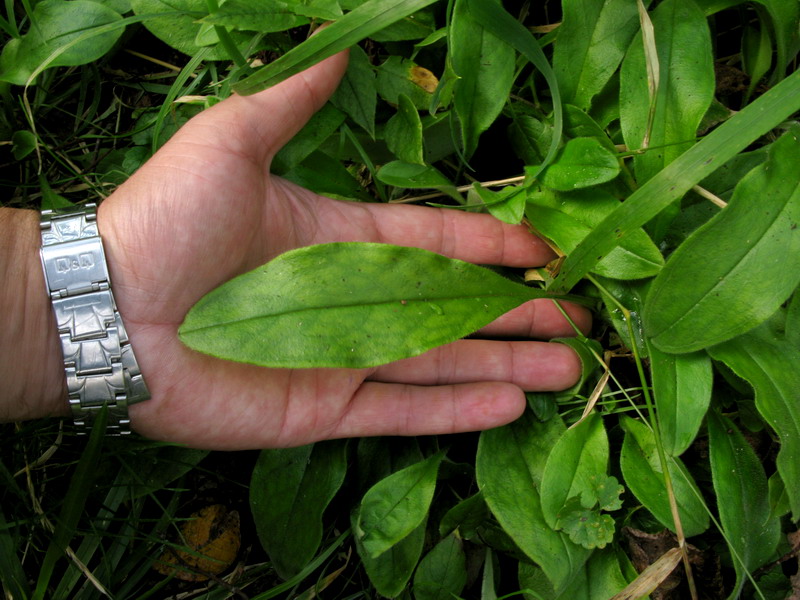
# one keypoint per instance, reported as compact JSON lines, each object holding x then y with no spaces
{"x":472,"y":237}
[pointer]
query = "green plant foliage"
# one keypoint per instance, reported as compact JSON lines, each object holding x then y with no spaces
{"x":593,"y":39}
{"x":442,"y":573}
{"x":682,"y":385}
{"x":567,"y":219}
{"x":616,"y":130}
{"x":582,"y":162}
{"x":289,"y":491}
{"x":740,"y":484}
{"x":366,"y":19}
{"x":644,"y":476}
{"x":265,"y":17}
{"x":509,"y":470}
{"x":395,"y":506}
{"x":404,"y":132}
{"x":579,"y":454}
{"x":271,"y":304}
{"x":484,"y":65}
{"x":63,"y":34}
{"x":756,"y":234}
{"x":771,"y":364}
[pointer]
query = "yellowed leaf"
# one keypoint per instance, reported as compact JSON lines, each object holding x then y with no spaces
{"x":211,"y":539}
{"x":423,"y":78}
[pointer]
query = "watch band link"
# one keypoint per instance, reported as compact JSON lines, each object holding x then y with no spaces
{"x":99,"y":363}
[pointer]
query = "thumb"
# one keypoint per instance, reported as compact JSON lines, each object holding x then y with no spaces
{"x":260,"y":124}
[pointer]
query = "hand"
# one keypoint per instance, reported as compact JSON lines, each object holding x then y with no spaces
{"x":205,"y":209}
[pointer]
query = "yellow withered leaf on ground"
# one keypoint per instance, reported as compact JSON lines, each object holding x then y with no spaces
{"x":211,"y":539}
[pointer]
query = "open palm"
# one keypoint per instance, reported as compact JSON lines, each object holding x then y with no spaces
{"x":205,"y":209}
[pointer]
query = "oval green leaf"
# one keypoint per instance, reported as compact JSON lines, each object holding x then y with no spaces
{"x":736,"y":270}
{"x":578,"y":455}
{"x":509,"y":468}
{"x":684,"y":91}
{"x":771,"y":364}
{"x":568,"y":219}
{"x":289,"y":491}
{"x":644,"y":477}
{"x":396,"y":506}
{"x":582,"y":162}
{"x":56,"y":24}
{"x":347,"y":305}
{"x":442,"y":573}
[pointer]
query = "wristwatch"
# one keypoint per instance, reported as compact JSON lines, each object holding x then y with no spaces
{"x":99,"y":363}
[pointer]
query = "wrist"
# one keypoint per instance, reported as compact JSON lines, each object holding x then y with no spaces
{"x":31,"y":364}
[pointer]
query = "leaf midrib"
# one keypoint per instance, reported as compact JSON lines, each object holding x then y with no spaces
{"x":399,"y":301}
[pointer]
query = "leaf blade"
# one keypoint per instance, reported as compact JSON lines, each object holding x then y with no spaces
{"x":347,"y":305}
{"x":736,"y":270}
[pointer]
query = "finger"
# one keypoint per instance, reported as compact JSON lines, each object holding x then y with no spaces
{"x":532,"y":366}
{"x":477,"y":238}
{"x":540,"y":319}
{"x":395,"y":409}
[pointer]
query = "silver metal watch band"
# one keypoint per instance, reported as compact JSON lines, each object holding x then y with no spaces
{"x":99,"y":363}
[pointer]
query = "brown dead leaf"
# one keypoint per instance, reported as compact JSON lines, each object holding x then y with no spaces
{"x":211,"y":538}
{"x":645,"y":549}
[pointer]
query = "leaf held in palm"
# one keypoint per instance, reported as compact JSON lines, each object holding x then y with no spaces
{"x":348,"y":304}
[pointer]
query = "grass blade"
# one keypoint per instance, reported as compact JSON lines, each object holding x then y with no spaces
{"x":356,"y":25}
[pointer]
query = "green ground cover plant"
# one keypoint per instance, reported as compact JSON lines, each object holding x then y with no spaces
{"x":654,"y":144}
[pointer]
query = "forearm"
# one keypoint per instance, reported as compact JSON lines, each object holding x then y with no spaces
{"x":32,"y":382}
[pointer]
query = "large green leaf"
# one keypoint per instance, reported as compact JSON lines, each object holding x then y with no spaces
{"x":592,"y":39}
{"x":579,"y":454}
{"x":485,"y":66}
{"x":175,"y":22}
{"x":348,"y":305}
{"x":395,"y":506}
{"x":679,"y":176}
{"x":645,"y":478}
{"x":737,"y":269}
{"x":289,"y":491}
{"x":685,"y":87}
{"x":56,"y":23}
{"x":360,"y":23}
{"x":509,"y":468}
{"x":771,"y":364}
{"x":740,"y":485}
{"x":682,"y":389}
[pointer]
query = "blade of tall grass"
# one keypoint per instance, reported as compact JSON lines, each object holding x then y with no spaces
{"x":675,"y":180}
{"x":12,"y":576}
{"x":74,"y":502}
{"x":353,"y":27}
